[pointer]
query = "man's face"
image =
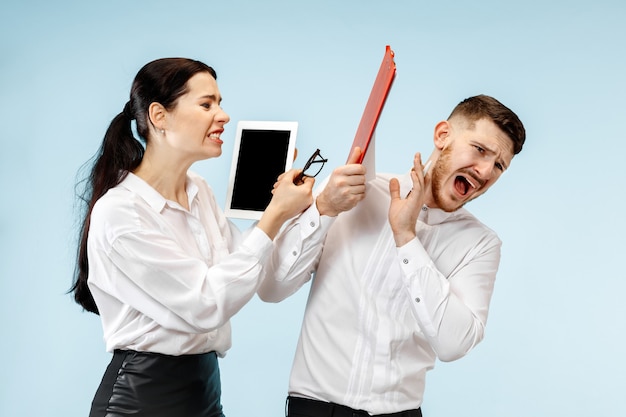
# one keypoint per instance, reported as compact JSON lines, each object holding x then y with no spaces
{"x":471,"y":159}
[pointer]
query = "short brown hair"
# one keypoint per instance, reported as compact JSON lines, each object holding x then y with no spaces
{"x":482,"y":106}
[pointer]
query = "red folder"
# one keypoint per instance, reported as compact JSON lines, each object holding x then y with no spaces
{"x":375,"y":103}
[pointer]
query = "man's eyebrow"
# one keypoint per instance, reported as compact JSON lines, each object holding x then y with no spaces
{"x":480,"y":143}
{"x":493,"y":152}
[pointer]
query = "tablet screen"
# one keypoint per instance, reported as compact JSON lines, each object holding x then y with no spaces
{"x":263,"y":151}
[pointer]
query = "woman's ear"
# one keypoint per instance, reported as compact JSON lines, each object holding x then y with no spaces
{"x":442,"y":132}
{"x":156,"y":113}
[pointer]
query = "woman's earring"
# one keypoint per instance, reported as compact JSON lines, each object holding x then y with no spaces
{"x":162,"y":131}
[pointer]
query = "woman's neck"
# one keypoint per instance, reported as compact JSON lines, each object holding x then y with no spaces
{"x":165,"y":176}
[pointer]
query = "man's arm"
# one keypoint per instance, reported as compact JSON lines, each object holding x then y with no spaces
{"x":299,"y":246}
{"x":451,"y":311}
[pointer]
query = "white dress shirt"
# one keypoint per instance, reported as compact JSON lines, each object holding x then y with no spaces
{"x":166,"y":279}
{"x":378,"y":316}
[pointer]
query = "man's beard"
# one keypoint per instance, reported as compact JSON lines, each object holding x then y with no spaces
{"x":438,"y":173}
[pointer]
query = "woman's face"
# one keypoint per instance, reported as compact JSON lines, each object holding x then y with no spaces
{"x":195,"y":125}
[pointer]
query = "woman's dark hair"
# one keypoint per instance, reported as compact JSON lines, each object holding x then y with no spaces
{"x":161,"y":81}
{"x":482,"y":106}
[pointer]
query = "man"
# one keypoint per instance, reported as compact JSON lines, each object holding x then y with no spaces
{"x":402,"y":278}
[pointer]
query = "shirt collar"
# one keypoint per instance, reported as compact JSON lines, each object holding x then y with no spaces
{"x":151,"y":196}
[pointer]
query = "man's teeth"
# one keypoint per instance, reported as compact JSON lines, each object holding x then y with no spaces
{"x":470,"y":182}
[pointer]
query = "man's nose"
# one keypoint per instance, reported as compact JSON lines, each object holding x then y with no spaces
{"x":485,"y":169}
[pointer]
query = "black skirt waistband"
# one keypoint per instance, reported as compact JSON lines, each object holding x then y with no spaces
{"x":153,"y":384}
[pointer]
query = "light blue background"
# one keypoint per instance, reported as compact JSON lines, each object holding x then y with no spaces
{"x":555,"y":339}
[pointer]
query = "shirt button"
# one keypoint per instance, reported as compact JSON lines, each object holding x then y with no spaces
{"x":294,"y":253}
{"x":417,"y":299}
{"x":405,"y":261}
{"x":312,"y":224}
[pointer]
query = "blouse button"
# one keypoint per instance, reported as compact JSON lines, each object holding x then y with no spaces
{"x":405,"y":261}
{"x":417,"y":299}
{"x":312,"y":224}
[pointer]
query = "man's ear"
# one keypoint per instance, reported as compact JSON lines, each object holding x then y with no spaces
{"x":156,"y":113}
{"x":442,"y":131}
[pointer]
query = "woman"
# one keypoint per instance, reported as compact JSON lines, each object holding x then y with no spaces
{"x":158,"y":261}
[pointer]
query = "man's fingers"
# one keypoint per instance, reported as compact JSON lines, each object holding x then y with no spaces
{"x":354,"y":156}
{"x":394,"y":188}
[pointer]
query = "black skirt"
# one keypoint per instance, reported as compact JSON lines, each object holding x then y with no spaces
{"x":143,"y":384}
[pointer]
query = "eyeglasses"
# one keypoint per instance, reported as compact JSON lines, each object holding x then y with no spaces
{"x":312,"y":167}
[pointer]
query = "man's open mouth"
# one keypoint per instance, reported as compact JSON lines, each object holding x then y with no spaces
{"x":463,"y":185}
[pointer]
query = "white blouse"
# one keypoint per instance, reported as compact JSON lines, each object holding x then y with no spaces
{"x":165,"y":279}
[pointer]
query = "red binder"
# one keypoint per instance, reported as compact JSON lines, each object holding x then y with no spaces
{"x":375,"y":103}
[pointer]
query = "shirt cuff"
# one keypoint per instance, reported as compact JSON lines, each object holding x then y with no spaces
{"x":411,"y":255}
{"x":258,"y":243}
{"x":413,"y":259}
{"x":311,"y":221}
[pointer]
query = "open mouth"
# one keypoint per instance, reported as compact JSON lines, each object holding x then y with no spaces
{"x":463,"y":185}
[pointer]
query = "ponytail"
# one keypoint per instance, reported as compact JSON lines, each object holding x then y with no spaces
{"x":161,"y":81}
{"x":119,"y":153}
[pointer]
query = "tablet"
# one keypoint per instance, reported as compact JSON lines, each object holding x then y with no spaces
{"x":263,"y":150}
{"x":375,"y":103}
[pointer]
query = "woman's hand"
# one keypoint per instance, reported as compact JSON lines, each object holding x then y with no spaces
{"x":288,"y":200}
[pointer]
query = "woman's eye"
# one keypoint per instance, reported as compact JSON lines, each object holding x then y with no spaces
{"x":206,"y":105}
